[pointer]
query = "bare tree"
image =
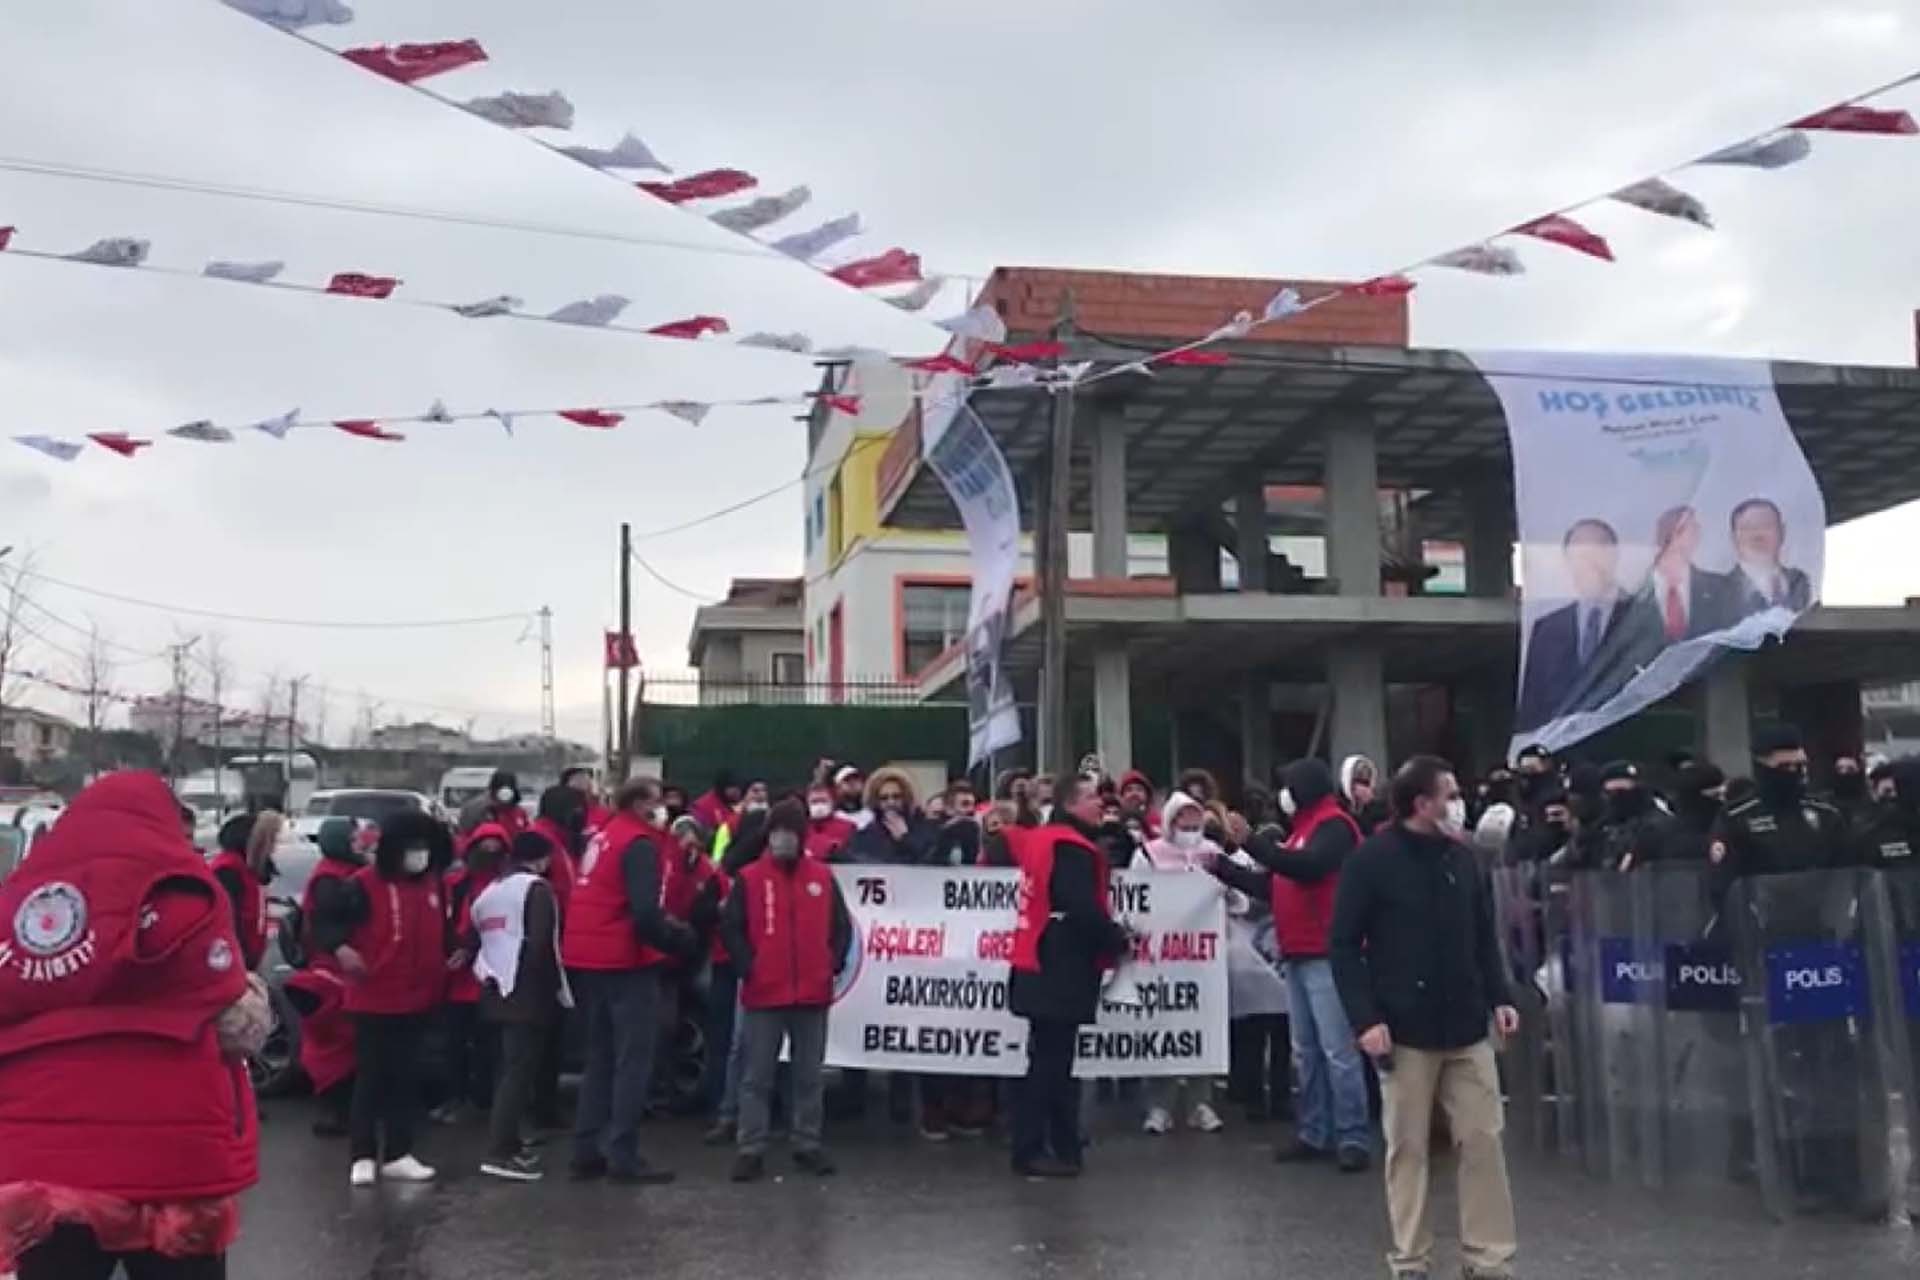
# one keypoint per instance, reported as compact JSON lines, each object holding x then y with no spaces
{"x":371,"y":709}
{"x":93,"y":675}
{"x":320,"y":716}
{"x":269,"y":697}
{"x":219,"y":669}
{"x":16,"y":596}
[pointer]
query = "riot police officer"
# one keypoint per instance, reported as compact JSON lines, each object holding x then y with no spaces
{"x":1780,"y":828}
{"x":1890,"y":838}
{"x":1684,"y":835}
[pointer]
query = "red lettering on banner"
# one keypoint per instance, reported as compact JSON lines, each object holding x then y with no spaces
{"x":994,"y":944}
{"x":907,"y":942}
{"x":1198,"y":945}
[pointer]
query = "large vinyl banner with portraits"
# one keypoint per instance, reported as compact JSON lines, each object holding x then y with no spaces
{"x":1666,"y":515}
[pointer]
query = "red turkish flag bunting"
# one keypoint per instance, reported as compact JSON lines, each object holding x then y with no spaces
{"x":1385,"y":287}
{"x":1848,"y":118}
{"x":942,"y":363}
{"x":692,"y":327}
{"x":895,"y":266}
{"x":1559,"y":229}
{"x":1043,"y":350}
{"x":354,"y":285}
{"x":120,"y":442}
{"x":6,"y":236}
{"x":593,"y":418}
{"x":408,"y":63}
{"x":842,"y":404}
{"x":621,"y":654}
{"x":701,"y":186}
{"x":367,"y":429}
{"x":1200,"y":359}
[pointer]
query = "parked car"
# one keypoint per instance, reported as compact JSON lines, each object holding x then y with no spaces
{"x":371,"y":803}
{"x":22,"y":826}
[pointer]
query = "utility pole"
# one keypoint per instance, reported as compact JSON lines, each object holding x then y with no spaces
{"x":624,"y":757}
{"x":178,"y":652}
{"x":1051,"y":553}
{"x":547,"y":718}
{"x":293,"y":719}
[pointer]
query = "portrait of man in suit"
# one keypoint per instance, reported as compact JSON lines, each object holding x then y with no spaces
{"x":1760,"y":579}
{"x":1684,"y":600}
{"x":1565,"y":642}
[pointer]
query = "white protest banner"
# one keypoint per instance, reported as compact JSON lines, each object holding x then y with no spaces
{"x":1666,"y":515}
{"x":925,"y":988}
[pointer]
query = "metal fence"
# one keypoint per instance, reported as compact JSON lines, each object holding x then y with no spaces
{"x":696,"y":690}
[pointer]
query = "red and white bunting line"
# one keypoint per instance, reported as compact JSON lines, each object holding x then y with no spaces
{"x":410,"y":65}
{"x":1770,"y":149}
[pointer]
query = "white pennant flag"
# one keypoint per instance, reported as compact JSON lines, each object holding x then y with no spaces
{"x":278,"y":427}
{"x":1283,"y":304}
{"x":203,"y":431}
{"x":601,"y":310}
{"x":245,"y":272}
{"x":1239,"y":327}
{"x":1483,"y":259}
{"x":1774,"y":151}
{"x":64,"y":450}
{"x":765,"y":211}
{"x":686,"y":410}
{"x":982,"y":323}
{"x":809,"y":244}
{"x":1003,"y":376}
{"x":799,"y":343}
{"x":628,"y":153}
{"x":504,"y":419}
{"x":851,"y":352}
{"x":503,"y":304}
{"x":293,"y":14}
{"x":1657,"y":196}
{"x":437,"y":412}
{"x":115,"y":251}
{"x":524,"y":110}
{"x":917,"y":298}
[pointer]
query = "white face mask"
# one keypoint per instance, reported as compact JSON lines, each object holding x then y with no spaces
{"x":1186,"y":839}
{"x":414,"y":861}
{"x":659,"y":815}
{"x":820,"y":810}
{"x":503,"y":795}
{"x":783,"y":845}
{"x":1456,"y":819}
{"x":1286,"y":802}
{"x":754,"y":806}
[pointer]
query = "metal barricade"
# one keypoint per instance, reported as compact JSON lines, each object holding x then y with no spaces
{"x":1560,"y":983}
{"x":1706,"y":1118}
{"x":1824,"y":1067}
{"x":1618,"y":983}
{"x":1893,"y":920}
{"x":1526,"y":1068}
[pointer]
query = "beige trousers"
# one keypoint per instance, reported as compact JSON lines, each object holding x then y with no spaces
{"x":1466,"y":1084}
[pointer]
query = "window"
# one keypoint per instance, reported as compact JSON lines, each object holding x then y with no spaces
{"x":835,"y":521}
{"x":820,"y":514}
{"x":788,"y":669}
{"x":43,"y":734}
{"x":933,"y":618}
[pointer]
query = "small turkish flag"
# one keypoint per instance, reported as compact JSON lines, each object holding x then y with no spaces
{"x":367,"y":429}
{"x":354,"y":285}
{"x":895,"y":266}
{"x":1559,"y":229}
{"x":1848,"y":118}
{"x":6,"y":236}
{"x":1198,"y":358}
{"x":841,"y":404}
{"x":692,"y":327}
{"x":408,"y":63}
{"x":593,"y":418}
{"x":701,"y":186}
{"x":1385,"y":287}
{"x":620,"y":653}
{"x":942,"y":363}
{"x":120,"y":442}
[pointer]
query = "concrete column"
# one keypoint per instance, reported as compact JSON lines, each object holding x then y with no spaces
{"x":1194,"y":560}
{"x":1109,"y":494}
{"x":1113,"y":704}
{"x":1256,"y":727}
{"x":1250,"y":524}
{"x":1353,"y":509}
{"x":1358,"y":724}
{"x":1489,"y":543}
{"x":1726,"y":716}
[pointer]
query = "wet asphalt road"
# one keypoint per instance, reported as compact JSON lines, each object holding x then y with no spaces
{"x":1149,"y":1209}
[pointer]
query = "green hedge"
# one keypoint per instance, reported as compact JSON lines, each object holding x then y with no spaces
{"x":780,"y":743}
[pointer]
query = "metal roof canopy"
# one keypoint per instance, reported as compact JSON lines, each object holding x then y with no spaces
{"x":1196,"y":434}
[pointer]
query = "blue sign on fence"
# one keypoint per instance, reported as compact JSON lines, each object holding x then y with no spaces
{"x":1629,"y":975}
{"x":1910,"y":976}
{"x":1701,"y":978}
{"x":1815,"y":982}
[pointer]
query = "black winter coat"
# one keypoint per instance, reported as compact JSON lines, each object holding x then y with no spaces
{"x":1413,"y":941}
{"x":1074,"y":947}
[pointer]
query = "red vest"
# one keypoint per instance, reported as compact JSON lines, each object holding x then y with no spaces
{"x":111,"y":1079}
{"x":1032,"y":849}
{"x":403,"y":941}
{"x":598,"y":933}
{"x":1303,"y":913}
{"x":463,"y":890}
{"x":326,"y":1031}
{"x":252,"y":906}
{"x":826,"y":837}
{"x":560,"y":868}
{"x":789,"y":910}
{"x":325,"y":869}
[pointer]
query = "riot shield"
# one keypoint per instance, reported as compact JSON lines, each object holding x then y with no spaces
{"x":1617,"y":995}
{"x":1566,"y":1061}
{"x":1525,"y":1066}
{"x":1821,"y":1064}
{"x":1893,"y":962}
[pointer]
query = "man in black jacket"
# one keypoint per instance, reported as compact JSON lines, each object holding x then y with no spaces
{"x":1417,"y":960}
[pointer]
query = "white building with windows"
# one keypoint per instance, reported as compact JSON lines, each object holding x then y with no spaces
{"x":749,"y":647}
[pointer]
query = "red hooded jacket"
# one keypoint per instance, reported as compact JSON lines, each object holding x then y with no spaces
{"x":1303,"y":913}
{"x":117,"y":953}
{"x":403,"y":941}
{"x":598,"y":933}
{"x":827,"y":837}
{"x":789,"y":925}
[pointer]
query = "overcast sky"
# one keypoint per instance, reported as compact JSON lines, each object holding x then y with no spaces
{"x":1219,"y":136}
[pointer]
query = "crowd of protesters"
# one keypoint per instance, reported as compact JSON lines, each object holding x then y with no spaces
{"x":1360,"y":933}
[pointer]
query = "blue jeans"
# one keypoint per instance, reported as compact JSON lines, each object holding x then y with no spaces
{"x":1332,"y":1110}
{"x":623,"y":1014}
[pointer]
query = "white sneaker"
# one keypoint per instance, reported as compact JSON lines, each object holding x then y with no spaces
{"x":1159,"y":1120}
{"x":406,"y":1169}
{"x":1206,"y":1119}
{"x":365,"y":1174}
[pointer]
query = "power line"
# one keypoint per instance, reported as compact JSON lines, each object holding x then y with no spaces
{"x":857,"y":446}
{"x":315,"y":623}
